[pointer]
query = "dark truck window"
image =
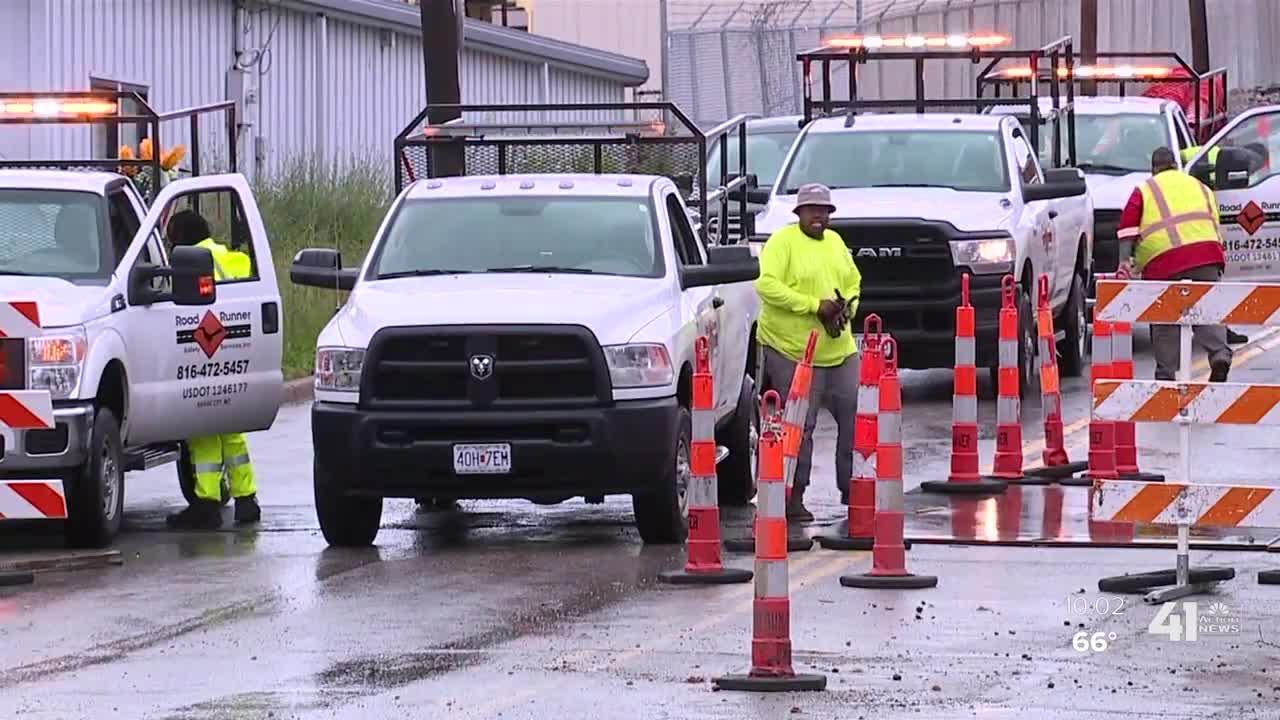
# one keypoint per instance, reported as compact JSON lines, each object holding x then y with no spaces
{"x":1117,"y":144}
{"x":967,"y":160}
{"x":765,"y":153}
{"x":604,"y":235}
{"x":55,"y":233}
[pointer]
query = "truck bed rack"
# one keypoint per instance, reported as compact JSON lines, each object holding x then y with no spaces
{"x":668,"y":143}
{"x":1058,"y":55}
{"x":1000,"y":79}
{"x":103,"y":108}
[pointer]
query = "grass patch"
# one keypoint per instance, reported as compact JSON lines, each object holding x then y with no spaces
{"x":315,"y":205}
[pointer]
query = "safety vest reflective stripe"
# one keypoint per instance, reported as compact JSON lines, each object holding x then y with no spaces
{"x":1170,"y":222}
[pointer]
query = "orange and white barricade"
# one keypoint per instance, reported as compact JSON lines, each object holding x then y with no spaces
{"x":1183,"y":403}
{"x":703,"y":546}
{"x":23,"y":498}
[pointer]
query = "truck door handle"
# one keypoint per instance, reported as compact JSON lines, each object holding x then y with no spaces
{"x":1053,"y":214}
{"x":717,"y":302}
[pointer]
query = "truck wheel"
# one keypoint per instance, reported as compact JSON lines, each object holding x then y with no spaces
{"x":187,"y":478}
{"x":736,"y":476}
{"x":661,"y":515}
{"x":345,"y":521}
{"x":1074,"y":348}
{"x":95,"y":500}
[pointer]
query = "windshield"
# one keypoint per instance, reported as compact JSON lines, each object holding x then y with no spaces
{"x":1117,"y":143}
{"x":53,"y":233}
{"x":959,"y":159}
{"x":765,"y":153}
{"x":603,"y":235}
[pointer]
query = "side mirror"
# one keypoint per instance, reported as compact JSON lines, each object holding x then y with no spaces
{"x":1232,"y":169}
{"x":753,"y":180}
{"x":1054,"y":190}
{"x":729,"y":254}
{"x":1063,"y":175}
{"x":190,"y":272}
{"x":720,"y":273}
{"x":321,"y":268}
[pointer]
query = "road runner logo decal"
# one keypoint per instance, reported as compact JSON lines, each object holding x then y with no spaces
{"x":209,"y":332}
{"x":1251,"y":217}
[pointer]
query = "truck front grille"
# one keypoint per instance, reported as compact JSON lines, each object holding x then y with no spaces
{"x":905,"y":267}
{"x":477,"y":367}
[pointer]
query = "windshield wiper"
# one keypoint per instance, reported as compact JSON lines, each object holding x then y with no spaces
{"x":540,"y":269}
{"x":1105,"y":168}
{"x":911,"y":185}
{"x":421,"y":273}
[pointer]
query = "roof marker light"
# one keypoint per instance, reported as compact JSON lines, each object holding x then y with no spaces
{"x":914,"y":41}
{"x":1119,"y":72}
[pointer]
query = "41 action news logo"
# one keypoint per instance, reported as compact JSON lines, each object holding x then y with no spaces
{"x":1190,"y":624}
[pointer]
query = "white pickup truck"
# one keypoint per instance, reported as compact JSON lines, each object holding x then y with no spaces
{"x":922,"y":199}
{"x":528,"y":336}
{"x":138,"y":348}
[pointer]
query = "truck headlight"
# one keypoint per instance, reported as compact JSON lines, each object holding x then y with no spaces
{"x":985,"y":256}
{"x":338,"y":369}
{"x":54,"y":361}
{"x":638,"y":366}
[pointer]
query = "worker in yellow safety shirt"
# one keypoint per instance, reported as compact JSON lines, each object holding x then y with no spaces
{"x":229,"y":452}
{"x":809,"y":281}
{"x":1186,"y":154}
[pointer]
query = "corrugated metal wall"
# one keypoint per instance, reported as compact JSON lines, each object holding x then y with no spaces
{"x":715,"y":73}
{"x":345,"y":96}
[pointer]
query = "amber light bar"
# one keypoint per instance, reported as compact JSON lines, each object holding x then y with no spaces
{"x":55,"y":107}
{"x":1125,"y":72}
{"x":875,"y":42}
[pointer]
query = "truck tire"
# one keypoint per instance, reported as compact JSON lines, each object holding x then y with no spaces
{"x":95,"y":500}
{"x":662,"y":515}
{"x":736,"y":476}
{"x":187,"y":478}
{"x":345,"y":520}
{"x":1074,"y":348}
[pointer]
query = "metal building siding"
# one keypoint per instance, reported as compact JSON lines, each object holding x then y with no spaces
{"x":149,"y":43}
{"x":284,"y":116}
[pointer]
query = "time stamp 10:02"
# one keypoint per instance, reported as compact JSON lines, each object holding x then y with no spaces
{"x":1101,"y":607}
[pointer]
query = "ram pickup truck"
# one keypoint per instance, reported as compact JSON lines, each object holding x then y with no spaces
{"x":923,"y":199}
{"x":139,"y":349}
{"x":529,"y":335}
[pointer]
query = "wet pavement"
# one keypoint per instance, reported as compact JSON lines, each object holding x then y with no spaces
{"x":519,"y":611}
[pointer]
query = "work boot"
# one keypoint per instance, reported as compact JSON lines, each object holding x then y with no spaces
{"x":1235,"y":338}
{"x":247,"y":510}
{"x":1218,"y":370}
{"x":797,"y":511}
{"x":200,"y":515}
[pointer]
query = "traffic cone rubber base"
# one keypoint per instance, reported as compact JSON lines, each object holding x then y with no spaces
{"x":981,"y":486}
{"x":889,"y":582}
{"x":748,"y":545}
{"x":1056,"y":471}
{"x":1141,"y":582}
{"x":1143,"y":477}
{"x":1269,"y":577}
{"x":790,"y":683}
{"x":844,"y":542}
{"x":723,"y":576}
{"x":19,"y":577}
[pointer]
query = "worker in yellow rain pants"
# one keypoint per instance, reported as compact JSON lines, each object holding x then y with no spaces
{"x":214,"y":454}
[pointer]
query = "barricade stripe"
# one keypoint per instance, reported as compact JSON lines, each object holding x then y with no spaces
{"x":1254,"y":404}
{"x":704,"y":426}
{"x":889,"y":496}
{"x":965,"y":352}
{"x":964,"y":409}
{"x":1258,"y":308}
{"x":19,"y":319}
{"x":966,"y":380}
{"x":702,"y":491}
{"x":1235,"y":506}
{"x":1201,"y":403}
{"x":26,"y":410}
{"x":43,"y":496}
{"x":1147,"y":504}
{"x":1166,"y":402}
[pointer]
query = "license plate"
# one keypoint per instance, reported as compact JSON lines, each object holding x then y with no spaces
{"x":482,"y":459}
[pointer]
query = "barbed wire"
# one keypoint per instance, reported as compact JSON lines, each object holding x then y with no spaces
{"x":777,"y":14}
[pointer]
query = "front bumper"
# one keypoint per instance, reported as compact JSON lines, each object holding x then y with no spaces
{"x":47,"y":451}
{"x":624,"y":448}
{"x":925,"y":328}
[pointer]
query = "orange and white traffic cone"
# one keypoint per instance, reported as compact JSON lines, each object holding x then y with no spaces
{"x":703,"y":566}
{"x":1008,"y":459}
{"x":964,"y":478}
{"x":1126,"y":433}
{"x":1102,"y":433}
{"x":889,"y":556}
{"x":771,"y":669}
{"x":793,"y":416}
{"x":860,"y":533}
{"x":1056,"y":462}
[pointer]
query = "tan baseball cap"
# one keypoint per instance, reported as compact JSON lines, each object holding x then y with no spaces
{"x":815,"y":194}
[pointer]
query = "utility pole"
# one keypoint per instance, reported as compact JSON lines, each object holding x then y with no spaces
{"x":441,"y":48}
{"x":1088,"y":42}
{"x":1199,"y":36}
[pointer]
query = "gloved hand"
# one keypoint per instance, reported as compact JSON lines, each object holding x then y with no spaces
{"x":832,"y":315}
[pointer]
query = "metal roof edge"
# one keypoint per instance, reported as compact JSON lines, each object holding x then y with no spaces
{"x":487,"y":37}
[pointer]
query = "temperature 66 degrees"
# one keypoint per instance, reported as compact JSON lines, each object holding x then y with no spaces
{"x":213,"y":369}
{"x":1097,"y":642}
